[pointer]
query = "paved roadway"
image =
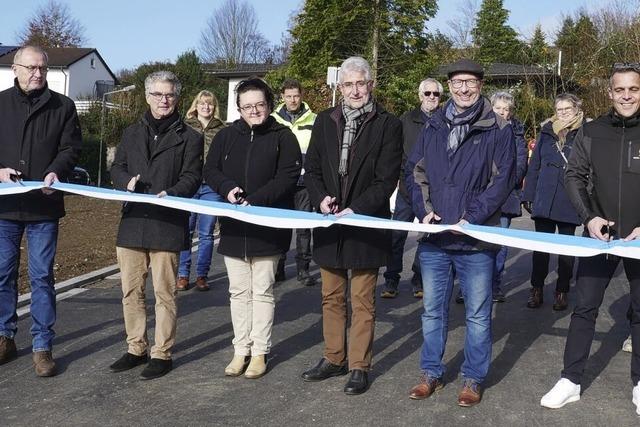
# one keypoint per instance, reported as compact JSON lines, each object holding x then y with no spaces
{"x":527,"y":356}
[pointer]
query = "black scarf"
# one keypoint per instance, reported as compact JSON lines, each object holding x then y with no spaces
{"x":160,"y":126}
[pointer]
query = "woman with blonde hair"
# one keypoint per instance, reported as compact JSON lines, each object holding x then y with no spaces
{"x":203,"y":116}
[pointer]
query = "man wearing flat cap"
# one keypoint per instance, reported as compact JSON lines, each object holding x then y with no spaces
{"x":461,"y":171}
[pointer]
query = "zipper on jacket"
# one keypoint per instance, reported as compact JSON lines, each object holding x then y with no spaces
{"x":620,"y":177}
{"x":246,"y":181}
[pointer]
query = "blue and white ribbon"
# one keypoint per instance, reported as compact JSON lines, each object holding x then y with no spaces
{"x":284,"y":218}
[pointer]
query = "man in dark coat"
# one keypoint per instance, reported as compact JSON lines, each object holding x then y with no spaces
{"x":460,"y":172}
{"x":40,"y":139}
{"x":160,"y":155}
{"x":352,"y":166}
{"x":413,"y":121}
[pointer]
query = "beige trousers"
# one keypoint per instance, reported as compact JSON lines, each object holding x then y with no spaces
{"x":252,"y":302}
{"x":134,"y":267}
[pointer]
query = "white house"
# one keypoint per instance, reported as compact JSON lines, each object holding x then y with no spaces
{"x":79,"y":73}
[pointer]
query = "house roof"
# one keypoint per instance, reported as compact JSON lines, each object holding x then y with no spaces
{"x":6,"y":49}
{"x":502,"y":70}
{"x":59,"y":57}
{"x":238,"y":70}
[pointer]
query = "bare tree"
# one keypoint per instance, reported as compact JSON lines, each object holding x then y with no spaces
{"x":232,"y":36}
{"x":52,"y":25}
{"x":462,"y":26}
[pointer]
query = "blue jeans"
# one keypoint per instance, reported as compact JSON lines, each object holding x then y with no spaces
{"x":501,"y":257}
{"x":402,"y":212}
{"x":474,"y":270}
{"x":205,"y":226}
{"x":42,"y":240}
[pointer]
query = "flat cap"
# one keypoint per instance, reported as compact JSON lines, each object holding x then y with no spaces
{"x":465,"y":66}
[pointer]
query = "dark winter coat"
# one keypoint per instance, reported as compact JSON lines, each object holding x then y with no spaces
{"x":512,"y":207}
{"x":172,"y":163}
{"x":603,"y":176}
{"x":39,"y":134}
{"x":412,"y":124}
{"x":544,"y":183}
{"x":264,"y":161}
{"x":374,"y":165}
{"x":209,"y":132}
{"x":472,"y":185}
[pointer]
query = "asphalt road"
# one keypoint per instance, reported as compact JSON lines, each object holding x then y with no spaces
{"x":527,"y":355}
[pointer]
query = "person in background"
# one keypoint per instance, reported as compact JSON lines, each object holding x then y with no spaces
{"x":429,"y":92}
{"x":204,"y":117}
{"x":297,"y":116}
{"x":40,"y":140}
{"x":255,"y":161}
{"x":546,"y":198}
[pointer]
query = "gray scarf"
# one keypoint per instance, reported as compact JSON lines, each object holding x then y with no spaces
{"x":353,"y":118}
{"x":459,"y":123}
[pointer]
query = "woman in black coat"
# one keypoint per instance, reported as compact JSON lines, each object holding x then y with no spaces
{"x":255,"y":161}
{"x":546,"y":198}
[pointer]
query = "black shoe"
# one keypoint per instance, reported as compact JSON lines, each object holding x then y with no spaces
{"x":323,"y":370}
{"x":156,"y":368}
{"x":128,"y":361}
{"x":459,"y":298}
{"x":498,"y":296}
{"x":390,"y":288}
{"x":416,"y":283}
{"x":304,"y":278}
{"x":358,"y":382}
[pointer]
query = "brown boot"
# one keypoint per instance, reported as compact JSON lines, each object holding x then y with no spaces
{"x":201,"y":284}
{"x":470,"y":394}
{"x":44,"y":364}
{"x":560,"y":303}
{"x":8,"y":350}
{"x":425,"y":388}
{"x":535,"y":298}
{"x":182,"y":284}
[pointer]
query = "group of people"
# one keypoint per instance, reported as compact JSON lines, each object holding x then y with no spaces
{"x":458,"y":162}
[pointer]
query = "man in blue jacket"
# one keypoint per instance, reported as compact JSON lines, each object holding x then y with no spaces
{"x":460,"y":171}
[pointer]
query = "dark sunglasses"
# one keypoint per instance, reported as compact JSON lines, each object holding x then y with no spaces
{"x":634,"y":66}
{"x":428,"y":93}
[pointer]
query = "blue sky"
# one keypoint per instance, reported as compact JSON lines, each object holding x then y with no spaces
{"x":128,"y":33}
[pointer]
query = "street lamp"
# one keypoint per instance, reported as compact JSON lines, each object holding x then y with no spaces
{"x":102,"y":118}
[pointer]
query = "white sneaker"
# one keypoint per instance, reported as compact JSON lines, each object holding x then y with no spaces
{"x":562,"y":393}
{"x":636,"y":397}
{"x":627,"y":347}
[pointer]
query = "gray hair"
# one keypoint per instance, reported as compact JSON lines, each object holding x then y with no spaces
{"x":426,"y":81}
{"x":162,"y":76}
{"x":574,"y":100}
{"x":18,"y":56}
{"x":355,"y":64}
{"x":505,"y":97}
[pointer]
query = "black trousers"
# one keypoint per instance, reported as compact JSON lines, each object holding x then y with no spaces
{"x":594,"y":275}
{"x":301,"y":202}
{"x":540,"y":260}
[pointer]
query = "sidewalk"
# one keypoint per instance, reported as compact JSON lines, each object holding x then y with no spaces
{"x":527,"y":358}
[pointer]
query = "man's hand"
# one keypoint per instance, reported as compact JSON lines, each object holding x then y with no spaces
{"x":460,"y":223}
{"x":344,"y":212}
{"x":236,"y":196}
{"x":635,"y":233}
{"x":131,"y":186}
{"x":49,"y":179}
{"x":162,"y":194}
{"x":431,"y":218}
{"x":596,"y":226}
{"x":7,"y":174}
{"x":328,"y":205}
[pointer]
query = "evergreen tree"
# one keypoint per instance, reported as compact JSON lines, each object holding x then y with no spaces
{"x":493,"y":38}
{"x":538,"y":50}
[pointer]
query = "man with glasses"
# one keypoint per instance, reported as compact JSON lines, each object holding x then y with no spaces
{"x":295,"y":114}
{"x":460,"y":172}
{"x":40,"y":139}
{"x":158,"y":155}
{"x":429,"y":92}
{"x":352,"y":166}
{"x":603,"y":189}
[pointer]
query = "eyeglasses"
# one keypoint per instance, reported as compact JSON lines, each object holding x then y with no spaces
{"x":33,"y":68}
{"x":359,"y":84}
{"x":621,"y":66}
{"x":203,"y":104}
{"x":428,"y":93}
{"x":564,"y":110}
{"x":159,"y":95}
{"x":471,"y":83}
{"x":260,"y":106}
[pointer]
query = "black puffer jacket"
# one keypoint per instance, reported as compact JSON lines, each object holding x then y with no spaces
{"x":264,"y":161}
{"x":603,"y":175}
{"x":39,"y":133}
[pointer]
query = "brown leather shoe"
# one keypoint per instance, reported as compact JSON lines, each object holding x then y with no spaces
{"x":182,"y":284}
{"x":8,"y":350}
{"x":560,"y":302}
{"x":44,"y":364}
{"x":535,"y":298}
{"x":201,"y":284}
{"x":470,"y":395}
{"x":426,"y":388}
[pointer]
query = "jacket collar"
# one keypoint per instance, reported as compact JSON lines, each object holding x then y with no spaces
{"x":36,"y":98}
{"x":618,"y":121}
{"x":487,"y":120}
{"x":281,"y":111}
{"x":195,"y":123}
{"x":270,"y":124}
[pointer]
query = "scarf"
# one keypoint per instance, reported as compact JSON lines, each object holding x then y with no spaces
{"x":160,"y":126}
{"x":353,"y":118}
{"x":459,"y":123}
{"x":562,"y":128}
